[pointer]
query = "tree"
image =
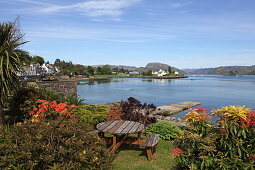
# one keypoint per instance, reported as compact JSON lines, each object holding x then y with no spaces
{"x":37,"y":60}
{"x":91,"y":70}
{"x":57,"y":61}
{"x":169,"y":70}
{"x":10,"y":40}
{"x":25,"y":57}
{"x":106,"y":70}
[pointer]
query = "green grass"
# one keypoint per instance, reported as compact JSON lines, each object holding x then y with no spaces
{"x":135,"y":158}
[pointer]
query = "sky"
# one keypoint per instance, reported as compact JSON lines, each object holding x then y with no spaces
{"x":181,"y":33}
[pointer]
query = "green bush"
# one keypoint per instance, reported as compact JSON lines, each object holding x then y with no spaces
{"x":91,"y":113}
{"x":165,"y":130}
{"x":57,"y":144}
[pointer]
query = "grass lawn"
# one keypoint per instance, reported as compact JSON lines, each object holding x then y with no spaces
{"x":134,"y":157}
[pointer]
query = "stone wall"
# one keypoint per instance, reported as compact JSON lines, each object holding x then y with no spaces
{"x":66,"y":88}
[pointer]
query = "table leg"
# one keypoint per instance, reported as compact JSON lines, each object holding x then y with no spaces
{"x":114,"y":140}
{"x":139,"y":136}
{"x":116,"y":144}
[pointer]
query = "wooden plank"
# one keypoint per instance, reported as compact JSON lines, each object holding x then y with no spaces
{"x":134,"y":128}
{"x":109,"y":126}
{"x":127,"y":129}
{"x":151,"y":137}
{"x":140,"y":128}
{"x":155,"y":140}
{"x":123,"y":126}
{"x":116,"y":126}
{"x":102,"y":125}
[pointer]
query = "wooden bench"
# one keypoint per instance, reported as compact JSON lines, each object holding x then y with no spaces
{"x":150,"y":143}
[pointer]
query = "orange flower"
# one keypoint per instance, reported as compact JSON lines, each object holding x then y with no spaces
{"x":176,"y":152}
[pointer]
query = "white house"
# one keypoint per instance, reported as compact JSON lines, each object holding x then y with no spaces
{"x":37,"y":69}
{"x":176,"y":73}
{"x":160,"y":73}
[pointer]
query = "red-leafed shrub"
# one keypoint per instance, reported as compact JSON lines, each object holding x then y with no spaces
{"x":114,"y":114}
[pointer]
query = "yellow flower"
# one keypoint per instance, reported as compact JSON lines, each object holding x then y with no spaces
{"x":95,"y":159}
{"x":35,"y":120}
{"x":19,"y":124}
{"x":233,"y":112}
{"x":84,"y":152}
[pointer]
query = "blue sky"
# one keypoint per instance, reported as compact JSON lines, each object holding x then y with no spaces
{"x":181,"y":33}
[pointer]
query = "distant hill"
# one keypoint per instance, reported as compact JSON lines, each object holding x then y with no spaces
{"x":199,"y":71}
{"x":130,"y":68}
{"x":157,"y":66}
{"x":223,"y":70}
{"x":150,"y":66}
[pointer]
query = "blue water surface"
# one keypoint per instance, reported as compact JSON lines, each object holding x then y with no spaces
{"x":213,"y":91}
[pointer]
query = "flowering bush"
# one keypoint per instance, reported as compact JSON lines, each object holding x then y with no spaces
{"x":58,"y":144}
{"x":51,"y":110}
{"x":228,"y":145}
{"x":23,"y":102}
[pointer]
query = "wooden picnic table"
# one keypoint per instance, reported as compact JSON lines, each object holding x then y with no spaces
{"x":120,"y":129}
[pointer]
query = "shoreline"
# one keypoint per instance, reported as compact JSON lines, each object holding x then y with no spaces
{"x":111,"y":77}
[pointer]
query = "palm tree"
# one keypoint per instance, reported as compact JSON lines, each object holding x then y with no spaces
{"x":10,"y":40}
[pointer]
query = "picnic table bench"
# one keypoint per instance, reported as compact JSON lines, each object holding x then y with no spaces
{"x":120,"y":130}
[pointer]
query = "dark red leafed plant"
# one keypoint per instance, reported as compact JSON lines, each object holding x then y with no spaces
{"x":133,"y":110}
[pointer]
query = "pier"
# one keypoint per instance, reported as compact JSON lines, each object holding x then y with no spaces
{"x":171,"y":109}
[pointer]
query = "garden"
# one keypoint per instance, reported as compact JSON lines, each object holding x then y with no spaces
{"x":41,"y":129}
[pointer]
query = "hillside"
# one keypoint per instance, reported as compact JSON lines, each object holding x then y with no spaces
{"x":150,"y":66}
{"x":157,"y":66}
{"x":199,"y":71}
{"x":223,"y":70}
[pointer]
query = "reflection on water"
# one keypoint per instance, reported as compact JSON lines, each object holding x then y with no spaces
{"x":212,"y":91}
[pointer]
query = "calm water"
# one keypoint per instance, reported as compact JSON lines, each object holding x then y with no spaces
{"x":212,"y":91}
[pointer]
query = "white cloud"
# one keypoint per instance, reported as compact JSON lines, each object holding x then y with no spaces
{"x":95,"y":8}
{"x":98,"y":34}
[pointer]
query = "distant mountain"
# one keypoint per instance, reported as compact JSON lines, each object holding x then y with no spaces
{"x":150,"y":66}
{"x":199,"y":71}
{"x":130,"y":68}
{"x":157,"y":66}
{"x":223,"y":70}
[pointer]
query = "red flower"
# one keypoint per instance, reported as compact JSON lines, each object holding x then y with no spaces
{"x":177,"y":152}
{"x":200,"y":109}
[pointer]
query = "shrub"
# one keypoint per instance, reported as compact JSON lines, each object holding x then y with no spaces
{"x":165,"y":130}
{"x":25,"y":100}
{"x":228,"y":145}
{"x":91,"y":113}
{"x":133,"y":110}
{"x":58,"y":144}
{"x":51,"y":110}
{"x":114,"y":114}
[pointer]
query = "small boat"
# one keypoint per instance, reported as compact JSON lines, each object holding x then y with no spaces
{"x":84,"y":82}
